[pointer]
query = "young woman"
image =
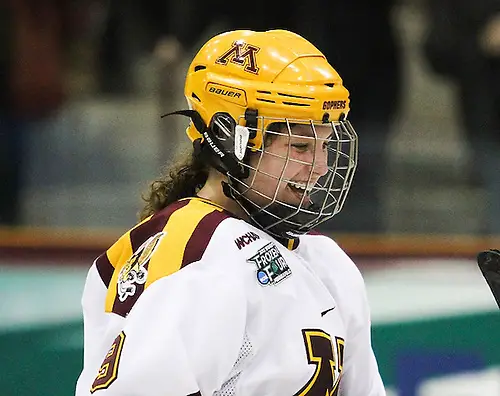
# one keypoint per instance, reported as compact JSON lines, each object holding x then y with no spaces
{"x":222,"y":288}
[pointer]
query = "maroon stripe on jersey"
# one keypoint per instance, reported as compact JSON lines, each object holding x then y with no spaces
{"x":201,"y":236}
{"x":290,"y":244}
{"x":138,"y":236}
{"x":295,"y":243}
{"x":157,"y":223}
{"x":104,"y":268}
{"x":314,"y":232}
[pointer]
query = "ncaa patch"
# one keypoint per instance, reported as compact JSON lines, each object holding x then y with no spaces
{"x":134,"y":272}
{"x":271,"y":265}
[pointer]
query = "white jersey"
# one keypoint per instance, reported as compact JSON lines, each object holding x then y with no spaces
{"x":196,"y":302}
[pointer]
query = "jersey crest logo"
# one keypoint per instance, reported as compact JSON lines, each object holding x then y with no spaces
{"x":271,"y":265}
{"x":134,"y":272}
{"x":328,"y":357}
{"x":241,"y":54}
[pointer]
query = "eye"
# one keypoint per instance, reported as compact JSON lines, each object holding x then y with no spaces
{"x":301,"y":147}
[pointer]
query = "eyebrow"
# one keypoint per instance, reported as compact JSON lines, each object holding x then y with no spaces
{"x":308,"y":132}
{"x":303,"y":132}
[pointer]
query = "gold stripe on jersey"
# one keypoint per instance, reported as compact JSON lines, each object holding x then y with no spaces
{"x":122,"y":249}
{"x":118,"y":254}
{"x":208,"y":202}
{"x":182,"y":223}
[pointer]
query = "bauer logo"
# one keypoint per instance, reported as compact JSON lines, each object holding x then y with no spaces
{"x":229,"y":94}
{"x":224,"y":92}
{"x":212,"y":145}
{"x":271,"y":265}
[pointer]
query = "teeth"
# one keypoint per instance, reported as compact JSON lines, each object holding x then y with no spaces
{"x":301,"y":186}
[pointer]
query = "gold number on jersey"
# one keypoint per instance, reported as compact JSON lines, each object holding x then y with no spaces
{"x":320,"y":352}
{"x":109,"y":368}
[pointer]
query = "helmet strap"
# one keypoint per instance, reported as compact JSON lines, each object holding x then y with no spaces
{"x":251,"y":121}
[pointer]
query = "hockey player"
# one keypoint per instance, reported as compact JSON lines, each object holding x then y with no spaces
{"x":223,"y":288}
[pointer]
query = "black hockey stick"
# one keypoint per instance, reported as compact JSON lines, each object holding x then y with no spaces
{"x":489,"y":264}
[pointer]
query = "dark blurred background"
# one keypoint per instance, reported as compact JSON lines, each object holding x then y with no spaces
{"x":83,"y":84}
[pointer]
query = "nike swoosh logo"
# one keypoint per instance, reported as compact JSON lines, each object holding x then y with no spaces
{"x":328,"y":310}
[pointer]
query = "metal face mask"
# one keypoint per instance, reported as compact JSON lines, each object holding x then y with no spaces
{"x":298,"y":178}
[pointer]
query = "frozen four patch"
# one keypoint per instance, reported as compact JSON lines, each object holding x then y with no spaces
{"x":271,"y":266}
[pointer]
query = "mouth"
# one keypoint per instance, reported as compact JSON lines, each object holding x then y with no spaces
{"x":300,"y":190}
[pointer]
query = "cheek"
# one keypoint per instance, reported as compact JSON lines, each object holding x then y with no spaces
{"x":271,"y":167}
{"x":276,"y":168}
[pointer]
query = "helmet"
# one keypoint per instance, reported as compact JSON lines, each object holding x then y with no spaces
{"x":243,"y":86}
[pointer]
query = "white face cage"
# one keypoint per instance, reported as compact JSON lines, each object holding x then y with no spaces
{"x":313,"y":165}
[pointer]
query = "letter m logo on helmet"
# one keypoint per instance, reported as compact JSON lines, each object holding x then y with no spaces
{"x":242,"y":54}
{"x":251,"y":79}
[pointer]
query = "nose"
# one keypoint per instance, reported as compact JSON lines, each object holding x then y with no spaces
{"x":320,"y":161}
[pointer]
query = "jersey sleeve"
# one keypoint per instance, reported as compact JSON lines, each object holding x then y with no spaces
{"x":361,"y":376}
{"x":182,"y":338}
{"x":99,"y":327}
{"x":94,"y":322}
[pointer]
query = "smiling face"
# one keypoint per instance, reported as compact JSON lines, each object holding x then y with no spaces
{"x":290,"y":165}
{"x":298,"y":178}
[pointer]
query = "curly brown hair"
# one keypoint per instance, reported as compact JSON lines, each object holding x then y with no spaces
{"x":185,"y":178}
{"x":182,"y":180}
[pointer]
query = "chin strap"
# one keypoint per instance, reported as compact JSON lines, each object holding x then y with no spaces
{"x":226,"y":189}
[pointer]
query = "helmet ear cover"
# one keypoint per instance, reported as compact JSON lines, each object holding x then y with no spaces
{"x":216,"y":146}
